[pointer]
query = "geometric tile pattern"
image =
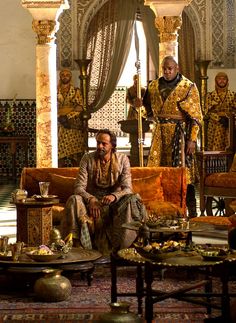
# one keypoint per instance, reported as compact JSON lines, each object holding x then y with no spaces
{"x":223,"y":33}
{"x":218,"y":31}
{"x":24,"y":120}
{"x":230,"y":52}
{"x":113,"y":111}
{"x":64,"y":40}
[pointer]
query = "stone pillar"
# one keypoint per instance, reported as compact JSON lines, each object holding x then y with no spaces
{"x":168,"y":30}
{"x":168,"y":21}
{"x":45,"y":24}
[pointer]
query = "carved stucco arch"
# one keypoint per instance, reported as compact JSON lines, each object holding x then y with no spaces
{"x":196,"y":16}
{"x":198,"y":22}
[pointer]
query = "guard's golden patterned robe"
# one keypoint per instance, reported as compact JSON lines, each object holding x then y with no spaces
{"x":70,"y":141}
{"x":182,"y":104}
{"x":130,"y":99}
{"x":218,"y":104}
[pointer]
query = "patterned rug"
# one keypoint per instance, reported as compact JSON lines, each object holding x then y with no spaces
{"x":86,"y":303}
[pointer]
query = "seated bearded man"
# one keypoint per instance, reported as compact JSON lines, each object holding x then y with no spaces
{"x":103,"y":199}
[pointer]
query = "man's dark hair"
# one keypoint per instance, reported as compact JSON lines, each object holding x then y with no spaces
{"x":112,"y":137}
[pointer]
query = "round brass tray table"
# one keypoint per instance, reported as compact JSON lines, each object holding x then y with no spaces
{"x":193,"y":227}
{"x":78,"y":259}
{"x":185,"y":261}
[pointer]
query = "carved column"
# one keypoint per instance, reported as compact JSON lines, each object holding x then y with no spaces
{"x":168,"y":21}
{"x":45,"y":14}
{"x":168,"y":31}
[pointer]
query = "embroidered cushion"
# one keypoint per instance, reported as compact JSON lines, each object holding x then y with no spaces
{"x":221,"y":180}
{"x":61,"y":186}
{"x":164,"y":209}
{"x":215,"y":220}
{"x":149,"y":188}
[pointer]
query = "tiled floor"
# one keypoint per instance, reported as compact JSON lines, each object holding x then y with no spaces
{"x":8,"y":218}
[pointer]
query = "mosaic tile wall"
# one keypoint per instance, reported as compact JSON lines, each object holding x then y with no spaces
{"x":24,"y":120}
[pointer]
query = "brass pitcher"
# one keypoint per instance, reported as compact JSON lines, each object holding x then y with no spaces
{"x":53,"y":287}
{"x":119,"y":314}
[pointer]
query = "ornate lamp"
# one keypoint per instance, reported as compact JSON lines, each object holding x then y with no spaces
{"x":85,"y":115}
{"x":202,"y":66}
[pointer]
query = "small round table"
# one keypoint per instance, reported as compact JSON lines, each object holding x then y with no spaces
{"x":186,"y":262}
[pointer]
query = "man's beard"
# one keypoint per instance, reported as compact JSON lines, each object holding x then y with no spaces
{"x":101,"y":152}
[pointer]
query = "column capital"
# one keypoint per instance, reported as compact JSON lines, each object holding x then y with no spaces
{"x":167,"y":8}
{"x":45,"y":30}
{"x":168,"y":27}
{"x":45,"y":14}
{"x":45,"y":9}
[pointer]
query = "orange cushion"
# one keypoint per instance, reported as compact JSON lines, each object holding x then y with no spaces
{"x":221,"y":180}
{"x":164,"y":209}
{"x":149,"y":188}
{"x":61,"y":186}
{"x":215,"y":220}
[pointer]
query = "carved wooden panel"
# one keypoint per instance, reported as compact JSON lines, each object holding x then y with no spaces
{"x":34,"y":224}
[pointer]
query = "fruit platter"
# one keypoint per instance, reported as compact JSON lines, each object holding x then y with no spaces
{"x":159,"y":251}
{"x":154,"y":220}
{"x":43,"y":254}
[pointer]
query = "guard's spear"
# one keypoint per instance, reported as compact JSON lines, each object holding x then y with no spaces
{"x":140,"y":126}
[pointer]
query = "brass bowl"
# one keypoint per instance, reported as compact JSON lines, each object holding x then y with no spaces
{"x":43,"y":258}
{"x":155,"y":255}
{"x":213,"y":254}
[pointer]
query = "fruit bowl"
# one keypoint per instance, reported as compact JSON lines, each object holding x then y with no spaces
{"x":43,"y":258}
{"x":159,"y":251}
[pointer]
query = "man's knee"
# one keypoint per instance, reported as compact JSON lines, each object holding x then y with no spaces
{"x":73,"y":199}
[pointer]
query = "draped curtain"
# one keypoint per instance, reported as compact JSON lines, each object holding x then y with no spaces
{"x":151,"y":34}
{"x":108,"y":44}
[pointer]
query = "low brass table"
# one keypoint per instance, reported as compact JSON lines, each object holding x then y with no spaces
{"x":185,"y":262}
{"x":170,"y":231}
{"x":78,"y":259}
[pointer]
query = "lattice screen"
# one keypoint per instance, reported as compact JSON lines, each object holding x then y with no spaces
{"x":115,"y":110}
{"x":24,"y":118}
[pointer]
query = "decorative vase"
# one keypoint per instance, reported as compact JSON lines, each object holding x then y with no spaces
{"x":53,"y":287}
{"x":119,"y":314}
